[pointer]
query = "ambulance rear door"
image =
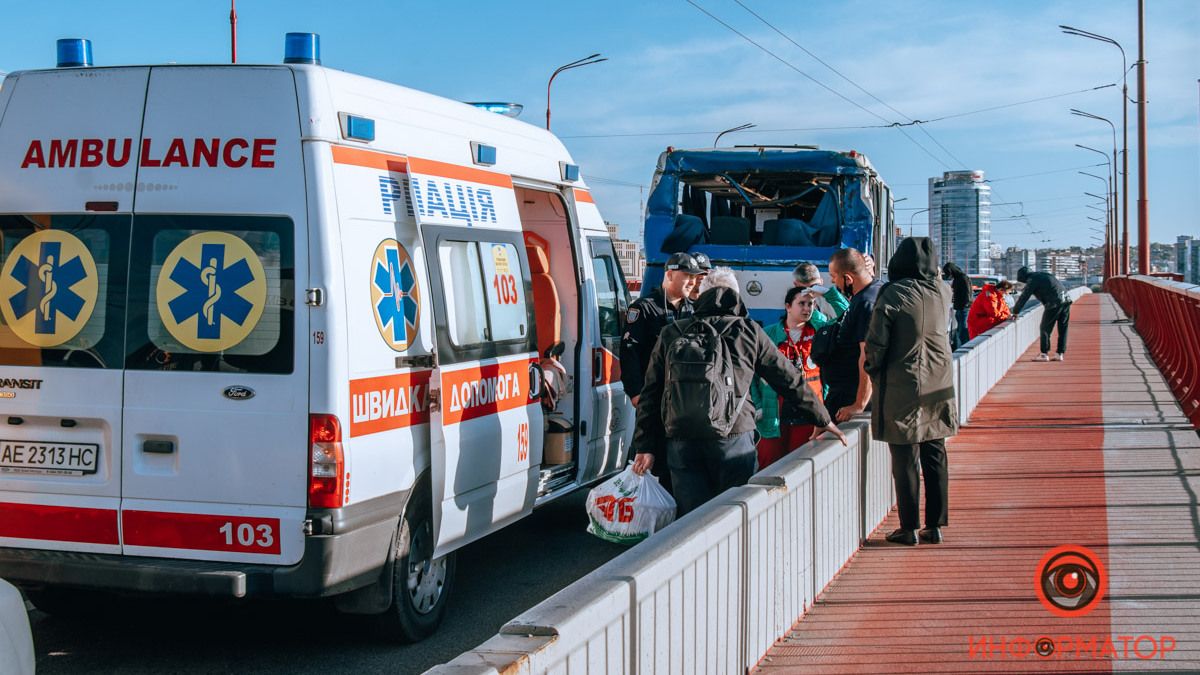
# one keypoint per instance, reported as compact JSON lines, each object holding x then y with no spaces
{"x":68,"y":141}
{"x":216,"y":408}
{"x":486,"y":426}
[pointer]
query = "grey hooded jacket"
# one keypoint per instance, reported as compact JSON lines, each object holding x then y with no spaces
{"x":908,"y":351}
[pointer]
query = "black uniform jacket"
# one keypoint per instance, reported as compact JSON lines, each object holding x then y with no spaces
{"x":643,"y":322}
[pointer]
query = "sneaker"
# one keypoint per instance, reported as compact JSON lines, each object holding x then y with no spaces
{"x":1058,"y":357}
{"x":1042,"y":357}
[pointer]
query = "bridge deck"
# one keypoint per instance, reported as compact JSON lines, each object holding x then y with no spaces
{"x":1093,"y":451}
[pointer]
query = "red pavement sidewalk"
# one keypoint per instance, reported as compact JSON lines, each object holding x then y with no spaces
{"x":1093,"y":452}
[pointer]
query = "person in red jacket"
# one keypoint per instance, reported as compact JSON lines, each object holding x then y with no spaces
{"x":989,"y":309}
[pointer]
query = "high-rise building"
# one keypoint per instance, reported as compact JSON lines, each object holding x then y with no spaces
{"x":1065,"y":265}
{"x":1015,"y":258}
{"x":960,"y":220}
{"x":1187,"y":258}
{"x":629,"y":254}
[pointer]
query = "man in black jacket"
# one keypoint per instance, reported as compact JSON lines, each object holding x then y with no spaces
{"x":703,"y":467}
{"x":960,"y":300}
{"x":645,"y":319}
{"x":1056,"y":308}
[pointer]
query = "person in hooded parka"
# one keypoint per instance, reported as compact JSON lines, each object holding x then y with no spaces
{"x":913,"y":406}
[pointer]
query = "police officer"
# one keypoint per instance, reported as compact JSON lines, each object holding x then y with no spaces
{"x":644,"y":321}
{"x":705,"y":266}
{"x":647,"y":316}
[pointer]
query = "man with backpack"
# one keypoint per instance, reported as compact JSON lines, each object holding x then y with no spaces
{"x":696,"y":396}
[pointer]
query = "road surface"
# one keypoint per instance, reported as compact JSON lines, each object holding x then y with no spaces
{"x":498,"y":578}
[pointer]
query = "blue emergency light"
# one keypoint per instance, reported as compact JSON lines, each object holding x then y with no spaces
{"x":506,"y":109}
{"x":302,"y":48}
{"x":74,"y":53}
{"x":569,"y":172}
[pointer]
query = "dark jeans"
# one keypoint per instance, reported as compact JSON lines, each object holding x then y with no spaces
{"x":961,"y":334}
{"x":1061,"y":316}
{"x":930,"y":458}
{"x":704,"y":468}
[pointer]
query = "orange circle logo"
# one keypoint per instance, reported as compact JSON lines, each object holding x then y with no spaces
{"x":1070,"y":581}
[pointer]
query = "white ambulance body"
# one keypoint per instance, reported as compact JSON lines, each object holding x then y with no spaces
{"x":276,"y":330}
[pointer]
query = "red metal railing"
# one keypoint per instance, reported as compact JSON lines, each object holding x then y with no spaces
{"x":1167,"y":316}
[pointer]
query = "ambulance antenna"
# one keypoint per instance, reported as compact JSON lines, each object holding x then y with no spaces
{"x":233,"y":31}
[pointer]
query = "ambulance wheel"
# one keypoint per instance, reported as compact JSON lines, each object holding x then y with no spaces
{"x":420,"y":584}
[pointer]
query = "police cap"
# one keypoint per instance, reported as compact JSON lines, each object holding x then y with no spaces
{"x":684,"y":262}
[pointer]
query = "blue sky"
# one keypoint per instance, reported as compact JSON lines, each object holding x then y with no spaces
{"x":673,"y":71}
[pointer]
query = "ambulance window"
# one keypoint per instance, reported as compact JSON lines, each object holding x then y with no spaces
{"x":606,"y":297}
{"x":212,"y":293}
{"x":462,"y":279}
{"x":611,"y":296}
{"x":505,"y":290}
{"x":62,"y":287}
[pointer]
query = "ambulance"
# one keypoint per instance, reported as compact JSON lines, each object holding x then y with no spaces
{"x":284,"y":330}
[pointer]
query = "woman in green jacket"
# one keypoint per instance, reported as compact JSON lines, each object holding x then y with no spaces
{"x":782,"y":431}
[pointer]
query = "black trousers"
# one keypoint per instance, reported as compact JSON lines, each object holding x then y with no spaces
{"x":930,"y":458}
{"x":704,"y":468}
{"x":1052,"y":316}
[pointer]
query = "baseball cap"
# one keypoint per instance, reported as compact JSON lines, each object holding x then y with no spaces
{"x":703,"y":261}
{"x":683,"y":262}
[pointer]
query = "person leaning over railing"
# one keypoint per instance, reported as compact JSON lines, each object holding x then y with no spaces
{"x":913,"y":405}
{"x":990,"y":308}
{"x":1056,"y":309}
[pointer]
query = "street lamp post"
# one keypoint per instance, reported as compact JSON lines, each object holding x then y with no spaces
{"x":1112,"y":267}
{"x":1124,"y":265}
{"x":1143,"y":200}
{"x":586,"y":61}
{"x":1116,"y":240}
{"x":911,"y":217}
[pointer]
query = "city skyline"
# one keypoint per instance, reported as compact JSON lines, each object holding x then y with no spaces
{"x":979,"y":67}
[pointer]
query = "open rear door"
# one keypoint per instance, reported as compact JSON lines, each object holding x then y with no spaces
{"x":486,"y":426}
{"x":67,"y":138}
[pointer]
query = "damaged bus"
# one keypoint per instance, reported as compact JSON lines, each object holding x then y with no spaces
{"x":761,"y":210}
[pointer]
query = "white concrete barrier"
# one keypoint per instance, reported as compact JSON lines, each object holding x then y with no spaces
{"x":714,"y":591}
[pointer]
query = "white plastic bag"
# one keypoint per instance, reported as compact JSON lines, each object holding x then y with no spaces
{"x":627,"y":508}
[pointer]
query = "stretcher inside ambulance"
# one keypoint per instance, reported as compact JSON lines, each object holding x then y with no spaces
{"x":286,"y":330}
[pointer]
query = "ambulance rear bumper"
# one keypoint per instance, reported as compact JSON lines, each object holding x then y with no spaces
{"x":333,"y":563}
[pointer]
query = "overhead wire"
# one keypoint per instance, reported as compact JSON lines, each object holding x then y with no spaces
{"x":814,"y":80}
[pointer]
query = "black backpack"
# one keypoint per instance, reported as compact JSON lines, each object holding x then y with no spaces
{"x":700,"y":398}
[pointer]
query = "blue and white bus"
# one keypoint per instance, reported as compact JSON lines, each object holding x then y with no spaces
{"x":763,"y":209}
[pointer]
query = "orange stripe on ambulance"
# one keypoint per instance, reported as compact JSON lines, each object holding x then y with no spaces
{"x":390,"y":402}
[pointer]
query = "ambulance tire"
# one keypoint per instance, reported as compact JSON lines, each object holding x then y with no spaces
{"x":420,"y":586}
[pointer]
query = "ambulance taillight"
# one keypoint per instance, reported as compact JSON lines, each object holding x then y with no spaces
{"x":326,"y":462}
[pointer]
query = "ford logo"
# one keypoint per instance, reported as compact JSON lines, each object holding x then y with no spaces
{"x":238,"y":393}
